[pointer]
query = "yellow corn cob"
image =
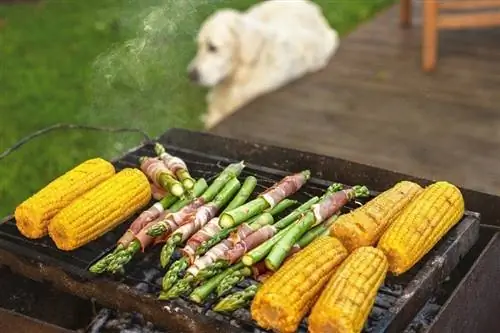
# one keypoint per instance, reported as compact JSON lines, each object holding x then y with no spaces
{"x":421,"y":225}
{"x":33,"y":215}
{"x":346,"y":301}
{"x":284,"y":299}
{"x":366,"y":224}
{"x":100,"y":210}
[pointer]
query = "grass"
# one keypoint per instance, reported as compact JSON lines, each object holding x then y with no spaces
{"x":103,"y":62}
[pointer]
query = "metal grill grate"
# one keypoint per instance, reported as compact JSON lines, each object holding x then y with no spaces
{"x":398,"y":301}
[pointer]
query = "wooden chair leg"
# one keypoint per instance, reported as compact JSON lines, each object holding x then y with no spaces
{"x":430,"y":35}
{"x":405,"y":13}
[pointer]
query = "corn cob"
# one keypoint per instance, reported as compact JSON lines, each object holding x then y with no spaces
{"x":346,"y":301}
{"x":100,"y":210}
{"x":421,"y":225}
{"x":33,"y":215}
{"x":284,"y":299}
{"x":366,"y":224}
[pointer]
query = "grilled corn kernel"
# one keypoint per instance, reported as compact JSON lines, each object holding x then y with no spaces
{"x":366,"y":224}
{"x":346,"y":301}
{"x":33,"y":215}
{"x":284,"y":299}
{"x":100,"y":210}
{"x":421,"y":225}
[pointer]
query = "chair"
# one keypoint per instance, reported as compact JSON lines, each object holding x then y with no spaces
{"x":434,"y":19}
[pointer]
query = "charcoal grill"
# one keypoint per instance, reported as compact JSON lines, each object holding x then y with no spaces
{"x":398,"y":302}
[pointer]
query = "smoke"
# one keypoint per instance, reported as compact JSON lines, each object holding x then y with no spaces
{"x":142,"y":82}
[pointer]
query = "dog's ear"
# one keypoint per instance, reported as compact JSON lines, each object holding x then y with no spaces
{"x":250,"y":40}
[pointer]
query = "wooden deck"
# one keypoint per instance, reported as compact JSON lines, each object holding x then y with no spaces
{"x":374,"y":105}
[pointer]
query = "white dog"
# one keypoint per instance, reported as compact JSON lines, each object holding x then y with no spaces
{"x":242,"y":55}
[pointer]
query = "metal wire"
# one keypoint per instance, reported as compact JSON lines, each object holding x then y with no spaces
{"x":46,"y":130}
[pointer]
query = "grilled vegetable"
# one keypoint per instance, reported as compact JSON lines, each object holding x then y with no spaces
{"x":172,"y":222}
{"x":287,"y":295}
{"x":195,"y":240}
{"x":268,"y":199}
{"x":100,"y":209}
{"x":204,"y":214}
{"x":232,"y":279}
{"x":236,"y":300}
{"x":321,"y":211}
{"x":157,"y":192}
{"x":200,"y":294}
{"x":160,"y":175}
{"x":34,"y":214}
{"x":346,"y":301}
{"x":366,"y":224}
{"x":176,"y":165}
{"x":421,"y":225}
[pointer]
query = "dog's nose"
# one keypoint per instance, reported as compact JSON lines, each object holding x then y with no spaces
{"x":194,"y":75}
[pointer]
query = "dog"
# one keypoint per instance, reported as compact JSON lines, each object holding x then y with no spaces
{"x":242,"y":55}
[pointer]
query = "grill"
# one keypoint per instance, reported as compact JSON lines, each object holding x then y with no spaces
{"x":399,"y":301}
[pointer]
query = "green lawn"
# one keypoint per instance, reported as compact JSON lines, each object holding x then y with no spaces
{"x":103,"y":62}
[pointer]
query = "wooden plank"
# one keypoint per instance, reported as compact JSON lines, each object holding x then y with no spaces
{"x":468,"y":20}
{"x":468,"y":4}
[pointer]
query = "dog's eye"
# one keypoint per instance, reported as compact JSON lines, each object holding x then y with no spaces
{"x":211,"y":47}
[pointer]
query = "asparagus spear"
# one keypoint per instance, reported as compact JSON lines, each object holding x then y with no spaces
{"x":236,"y":300}
{"x":318,"y":213}
{"x":202,"y":292}
{"x":118,"y":259}
{"x":230,"y":172}
{"x":232,"y":279}
{"x":180,"y":265}
{"x":158,"y":172}
{"x":272,"y":196}
{"x":203,"y":215}
{"x":176,"y":165}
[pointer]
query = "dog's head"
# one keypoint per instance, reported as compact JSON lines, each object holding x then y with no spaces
{"x":225,"y":41}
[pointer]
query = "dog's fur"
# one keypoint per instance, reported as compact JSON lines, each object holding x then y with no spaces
{"x":242,"y":55}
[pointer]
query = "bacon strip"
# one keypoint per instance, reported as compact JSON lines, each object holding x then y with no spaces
{"x":154,"y":212}
{"x":217,"y":252}
{"x":250,"y":242}
{"x":203,"y":215}
{"x":284,"y":188}
{"x":173,"y":163}
{"x":158,"y":192}
{"x":331,"y":204}
{"x":241,"y":233}
{"x":211,"y":229}
{"x":153,"y":168}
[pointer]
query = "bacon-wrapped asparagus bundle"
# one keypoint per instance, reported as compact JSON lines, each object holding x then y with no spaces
{"x":136,"y":233}
{"x":172,"y":222}
{"x":212,"y":234}
{"x":160,"y":175}
{"x":176,"y":165}
{"x":268,"y":199}
{"x":319,"y":212}
{"x":180,"y":265}
{"x":204,"y":214}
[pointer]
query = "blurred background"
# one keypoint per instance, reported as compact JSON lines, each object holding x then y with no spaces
{"x":103,"y":62}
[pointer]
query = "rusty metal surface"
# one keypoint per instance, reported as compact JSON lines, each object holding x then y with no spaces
{"x":12,"y":322}
{"x":474,"y":305}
